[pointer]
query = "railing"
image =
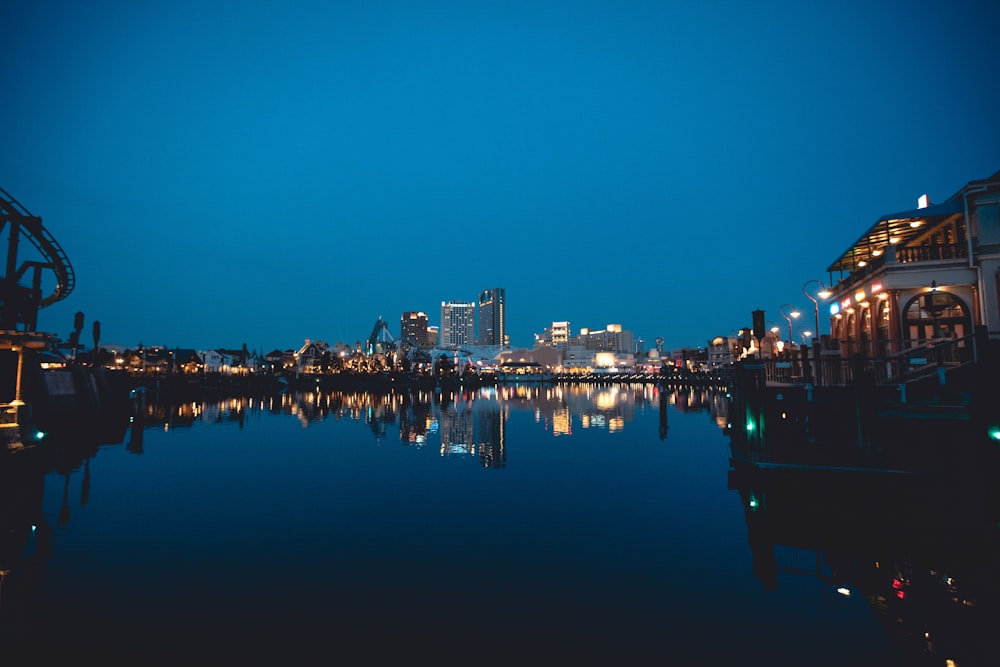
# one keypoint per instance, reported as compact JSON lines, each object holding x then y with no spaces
{"x":913,"y":363}
{"x":928,"y":253}
{"x":931,"y":253}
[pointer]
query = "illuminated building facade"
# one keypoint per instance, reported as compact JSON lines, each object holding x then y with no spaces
{"x":920,"y":276}
{"x":457,"y":323}
{"x":413,"y":327}
{"x":559,"y":335}
{"x":611,"y":339}
{"x":492,"y":317}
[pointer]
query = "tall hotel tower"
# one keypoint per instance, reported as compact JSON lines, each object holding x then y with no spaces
{"x":492,"y":317}
{"x":413,"y":327}
{"x":457,"y":323}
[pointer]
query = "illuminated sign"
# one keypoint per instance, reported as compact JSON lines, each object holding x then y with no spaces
{"x":860,"y":296}
{"x":876,"y":288}
{"x":923,"y":201}
{"x":846,"y":303}
{"x":834,"y":308}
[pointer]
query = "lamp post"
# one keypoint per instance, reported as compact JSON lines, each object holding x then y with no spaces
{"x":794,"y":313}
{"x":805,"y":335}
{"x":823,"y":293}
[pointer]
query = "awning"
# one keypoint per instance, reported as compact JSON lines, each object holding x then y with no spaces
{"x":951,"y":206}
{"x":897,"y":229}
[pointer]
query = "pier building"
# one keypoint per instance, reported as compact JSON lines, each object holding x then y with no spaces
{"x":921,"y":275}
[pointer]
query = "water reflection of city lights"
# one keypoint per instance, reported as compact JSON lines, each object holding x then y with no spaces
{"x":476,"y":416}
{"x":607,"y":399}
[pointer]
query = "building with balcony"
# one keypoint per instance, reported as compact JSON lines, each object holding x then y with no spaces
{"x":920,"y":276}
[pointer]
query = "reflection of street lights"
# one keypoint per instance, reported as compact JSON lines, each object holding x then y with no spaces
{"x":823,"y":293}
{"x":789,"y":316}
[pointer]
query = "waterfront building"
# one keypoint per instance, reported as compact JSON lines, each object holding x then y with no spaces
{"x":691,"y":358}
{"x":544,"y":358}
{"x":611,"y":339}
{"x":492,"y":317}
{"x":413,"y":327}
{"x":920,"y":275}
{"x":187,"y":361}
{"x":560,"y":335}
{"x":579,"y":359}
{"x":312,"y":357}
{"x":457,"y":323}
{"x":721,"y":351}
{"x":556,"y":336}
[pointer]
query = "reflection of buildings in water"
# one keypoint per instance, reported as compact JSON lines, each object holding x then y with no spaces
{"x":457,"y":431}
{"x":606,"y":406}
{"x":921,"y":553}
{"x":562,"y":421}
{"x":699,"y":399}
{"x":168,"y":415}
{"x":491,"y":426}
{"x":422,"y":415}
{"x":415,"y":422}
{"x":26,"y":536}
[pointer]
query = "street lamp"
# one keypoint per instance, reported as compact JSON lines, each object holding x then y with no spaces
{"x":789,"y":316}
{"x":823,"y":293}
{"x":806,"y":335}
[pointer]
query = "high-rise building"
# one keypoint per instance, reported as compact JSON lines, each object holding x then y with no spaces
{"x":492,"y":317}
{"x":458,"y":323}
{"x":611,"y":339}
{"x":413,"y":327}
{"x":560,"y":335}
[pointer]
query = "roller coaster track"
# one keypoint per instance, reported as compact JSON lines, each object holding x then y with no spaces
{"x":30,"y":227}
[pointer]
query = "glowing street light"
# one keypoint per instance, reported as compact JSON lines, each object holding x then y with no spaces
{"x":794,"y":313}
{"x":823,"y":293}
{"x":774,"y":337}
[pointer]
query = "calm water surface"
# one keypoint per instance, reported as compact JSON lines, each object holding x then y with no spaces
{"x":599,"y":525}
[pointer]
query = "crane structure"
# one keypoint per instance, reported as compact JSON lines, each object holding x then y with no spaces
{"x":380,"y":341}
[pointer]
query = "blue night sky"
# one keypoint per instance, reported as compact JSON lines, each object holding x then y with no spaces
{"x":262,"y":172}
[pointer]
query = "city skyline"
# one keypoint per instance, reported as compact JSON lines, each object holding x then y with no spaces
{"x":224,"y":174}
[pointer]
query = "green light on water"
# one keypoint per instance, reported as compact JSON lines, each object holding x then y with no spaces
{"x":994,"y":432}
{"x":750,"y":427}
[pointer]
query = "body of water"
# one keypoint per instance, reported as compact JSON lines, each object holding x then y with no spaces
{"x":562,"y":524}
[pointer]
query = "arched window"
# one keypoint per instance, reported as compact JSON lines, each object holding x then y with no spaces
{"x":935,"y":315}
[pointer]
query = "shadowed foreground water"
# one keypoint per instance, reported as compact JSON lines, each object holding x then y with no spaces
{"x":598,"y":525}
